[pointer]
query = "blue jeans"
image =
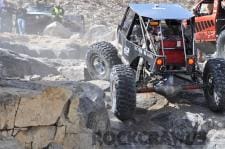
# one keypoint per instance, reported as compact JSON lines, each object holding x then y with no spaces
{"x":21,"y":26}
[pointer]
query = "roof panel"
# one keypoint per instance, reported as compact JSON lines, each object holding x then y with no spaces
{"x":161,"y":11}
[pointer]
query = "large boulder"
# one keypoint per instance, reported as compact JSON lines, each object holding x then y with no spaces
{"x":58,"y":30}
{"x":63,"y":114}
{"x":18,"y":65}
{"x":98,"y":33}
{"x":38,"y":110}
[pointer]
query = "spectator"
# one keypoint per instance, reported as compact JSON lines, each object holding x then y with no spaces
{"x":7,"y":17}
{"x":2,"y":5}
{"x":21,"y":16}
{"x":58,"y":12}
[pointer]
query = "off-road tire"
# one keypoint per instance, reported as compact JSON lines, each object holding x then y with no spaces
{"x":214,"y":84}
{"x":107,"y":53}
{"x":220,"y":45}
{"x":123,"y":92}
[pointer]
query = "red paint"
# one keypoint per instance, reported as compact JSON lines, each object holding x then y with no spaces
{"x":174,"y":56}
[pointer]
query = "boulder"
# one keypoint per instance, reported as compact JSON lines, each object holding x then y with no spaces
{"x":58,"y":30}
{"x":98,"y":33}
{"x":36,"y":137}
{"x":190,"y":125}
{"x":17,"y":65}
{"x":215,"y":139}
{"x":53,"y":114}
{"x":43,"y":109}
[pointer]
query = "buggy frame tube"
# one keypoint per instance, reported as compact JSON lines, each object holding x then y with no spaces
{"x":193,"y":37}
{"x":161,"y":35}
{"x":145,"y":32}
{"x":184,"y":45}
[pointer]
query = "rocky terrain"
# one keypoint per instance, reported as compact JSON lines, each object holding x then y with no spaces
{"x":48,"y":102}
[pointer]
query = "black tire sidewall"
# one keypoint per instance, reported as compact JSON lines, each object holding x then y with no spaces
{"x":124,"y":101}
{"x":218,"y":75}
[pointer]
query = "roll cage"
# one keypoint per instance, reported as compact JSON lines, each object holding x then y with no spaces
{"x":146,"y":46}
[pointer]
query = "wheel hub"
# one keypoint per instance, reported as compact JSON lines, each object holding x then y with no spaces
{"x":210,"y":85}
{"x":99,"y":65}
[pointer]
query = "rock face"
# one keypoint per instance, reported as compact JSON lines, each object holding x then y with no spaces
{"x":58,"y":30}
{"x":51,"y":99}
{"x":55,"y":115}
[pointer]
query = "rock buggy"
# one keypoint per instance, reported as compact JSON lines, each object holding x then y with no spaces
{"x":155,"y":46}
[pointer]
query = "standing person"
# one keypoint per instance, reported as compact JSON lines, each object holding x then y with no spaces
{"x":7,"y":17}
{"x":2,"y":5}
{"x":21,"y":16}
{"x":58,"y":12}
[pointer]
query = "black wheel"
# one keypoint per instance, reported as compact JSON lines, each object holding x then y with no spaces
{"x":220,"y":45}
{"x":214,"y":84}
{"x":100,"y":59}
{"x":123,"y":92}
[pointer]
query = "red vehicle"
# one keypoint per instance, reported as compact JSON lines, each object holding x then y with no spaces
{"x":210,"y":27}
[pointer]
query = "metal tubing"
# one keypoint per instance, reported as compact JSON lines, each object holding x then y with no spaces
{"x":185,"y":50}
{"x":178,"y":88}
{"x":162,"y":38}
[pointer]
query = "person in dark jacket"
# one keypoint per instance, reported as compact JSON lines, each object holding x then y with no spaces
{"x":2,"y":6}
{"x":7,"y":17}
{"x":21,"y":19}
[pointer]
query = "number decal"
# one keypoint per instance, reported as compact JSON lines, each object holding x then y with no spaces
{"x":126,"y":51}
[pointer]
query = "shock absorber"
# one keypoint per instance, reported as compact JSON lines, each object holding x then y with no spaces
{"x":139,"y":68}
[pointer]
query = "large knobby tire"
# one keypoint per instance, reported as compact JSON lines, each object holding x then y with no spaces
{"x":123,"y":92}
{"x":214,"y":84}
{"x":220,"y":45}
{"x":100,"y":59}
